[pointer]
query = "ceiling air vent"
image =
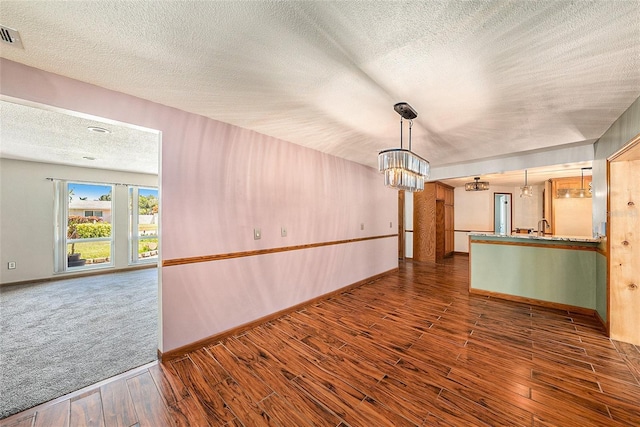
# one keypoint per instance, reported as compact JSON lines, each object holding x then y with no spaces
{"x":10,"y":36}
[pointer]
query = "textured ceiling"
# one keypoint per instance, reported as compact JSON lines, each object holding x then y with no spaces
{"x":487,"y":78}
{"x":50,"y":136}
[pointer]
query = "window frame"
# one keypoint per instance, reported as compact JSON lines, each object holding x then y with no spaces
{"x":61,"y":218}
{"x":134,"y":236}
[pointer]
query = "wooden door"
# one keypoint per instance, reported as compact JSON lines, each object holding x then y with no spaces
{"x":424,"y":224}
{"x":624,"y":248}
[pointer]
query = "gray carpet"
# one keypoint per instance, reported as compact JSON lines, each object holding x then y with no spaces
{"x":58,"y":337}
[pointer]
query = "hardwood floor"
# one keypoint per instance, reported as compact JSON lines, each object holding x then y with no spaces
{"x":410,"y":349}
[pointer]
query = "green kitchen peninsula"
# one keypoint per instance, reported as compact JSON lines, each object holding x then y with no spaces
{"x":553,"y":271}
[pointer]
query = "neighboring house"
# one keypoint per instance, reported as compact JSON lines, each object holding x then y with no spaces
{"x":99,"y":208}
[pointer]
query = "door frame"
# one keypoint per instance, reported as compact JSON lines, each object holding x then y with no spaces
{"x":510,"y":212}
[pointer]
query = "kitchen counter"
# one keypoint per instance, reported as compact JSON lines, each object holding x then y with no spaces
{"x":555,"y":271}
{"x":543,"y":237}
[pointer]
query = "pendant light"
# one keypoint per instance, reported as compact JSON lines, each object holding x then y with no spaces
{"x":575,"y":192}
{"x":526,"y":190}
{"x":403,"y":169}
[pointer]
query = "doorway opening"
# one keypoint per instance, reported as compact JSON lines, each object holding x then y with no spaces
{"x":502,"y":212}
{"x":85,"y":308}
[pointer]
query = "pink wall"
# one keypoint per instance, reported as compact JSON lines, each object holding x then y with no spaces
{"x":218,"y":182}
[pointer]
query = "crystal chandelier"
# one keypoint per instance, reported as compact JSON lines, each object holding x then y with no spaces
{"x":526,"y":190}
{"x":403,"y":169}
{"x":476,"y":185}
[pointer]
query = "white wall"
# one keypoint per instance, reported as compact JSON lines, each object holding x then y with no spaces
{"x":473,"y":211}
{"x":27,"y":212}
{"x":408,"y":224}
{"x":573,"y":216}
{"x":527,"y":211}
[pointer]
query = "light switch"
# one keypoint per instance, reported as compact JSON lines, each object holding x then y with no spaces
{"x":362,"y":226}
{"x":283,"y":231}
{"x":257,"y":234}
{"x":390,"y":224}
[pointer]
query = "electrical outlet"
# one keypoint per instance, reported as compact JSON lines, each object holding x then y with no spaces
{"x":257,"y":234}
{"x":283,"y":231}
{"x":362,"y":226}
{"x":390,"y":224}
{"x":11,"y":265}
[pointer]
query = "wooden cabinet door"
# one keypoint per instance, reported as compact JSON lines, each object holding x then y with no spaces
{"x":440,"y":230}
{"x":448,"y":197}
{"x":448,"y":230}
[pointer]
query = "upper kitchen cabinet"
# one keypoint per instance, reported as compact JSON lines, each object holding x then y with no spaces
{"x":433,"y":228}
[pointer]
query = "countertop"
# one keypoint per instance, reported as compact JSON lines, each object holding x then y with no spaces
{"x":536,"y":237}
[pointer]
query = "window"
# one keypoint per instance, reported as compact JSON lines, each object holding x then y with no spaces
{"x":84,"y":235}
{"x":143,"y":225}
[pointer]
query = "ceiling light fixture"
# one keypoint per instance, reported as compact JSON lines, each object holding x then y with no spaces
{"x":575,"y":192}
{"x":403,"y":169}
{"x":476,"y":185}
{"x":97,"y":129}
{"x":526,"y":190}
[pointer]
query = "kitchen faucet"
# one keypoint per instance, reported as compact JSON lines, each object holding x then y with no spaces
{"x":543,"y":224}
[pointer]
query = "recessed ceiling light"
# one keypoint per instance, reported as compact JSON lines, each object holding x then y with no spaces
{"x":97,"y":129}
{"x":89,"y":158}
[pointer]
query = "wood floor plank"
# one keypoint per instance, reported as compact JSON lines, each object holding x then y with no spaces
{"x":432,"y":420}
{"x":318,"y":322}
{"x":567,"y":382}
{"x":240,"y":372}
{"x":625,"y":416}
{"x":242,"y":405}
{"x":502,"y":389}
{"x":117,"y":405}
{"x":626,"y":349}
{"x":56,"y":415}
{"x":86,"y":410}
{"x":282,"y":413}
{"x":404,"y":399}
{"x":620,"y":390}
{"x":578,"y":406}
{"x":305,"y":330}
{"x":22,"y":421}
{"x":443,"y":409}
{"x":147,"y":402}
{"x":511,"y":408}
{"x":187,"y":412}
{"x":172,"y":390}
{"x":338,"y":397}
{"x":275,"y":374}
{"x":203,"y":390}
{"x":293,"y":353}
{"x":477,"y":411}
{"x":379,"y":415}
{"x":618,"y":370}
{"x":209,"y":368}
